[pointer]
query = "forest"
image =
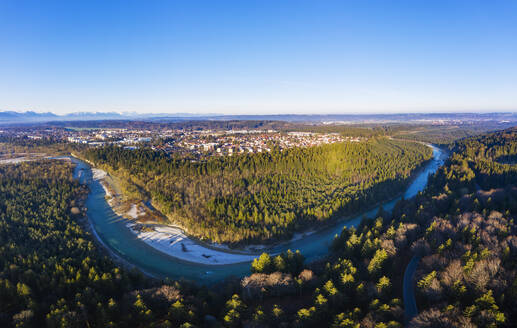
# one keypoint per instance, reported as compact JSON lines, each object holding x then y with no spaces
{"x":266,"y":196}
{"x":52,"y":274}
{"x":461,"y":228}
{"x":14,"y":145}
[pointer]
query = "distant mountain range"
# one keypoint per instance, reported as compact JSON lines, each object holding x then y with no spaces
{"x":32,"y":117}
{"x":16,"y":116}
{"x":10,"y":117}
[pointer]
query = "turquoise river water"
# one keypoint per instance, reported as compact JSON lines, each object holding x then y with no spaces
{"x":113,"y":232}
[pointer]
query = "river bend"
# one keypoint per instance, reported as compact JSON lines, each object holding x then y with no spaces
{"x":112,"y":230}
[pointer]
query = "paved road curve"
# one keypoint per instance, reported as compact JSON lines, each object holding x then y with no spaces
{"x":408,"y":289}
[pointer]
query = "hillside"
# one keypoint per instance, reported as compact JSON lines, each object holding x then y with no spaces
{"x":268,"y":196}
{"x":461,"y":229}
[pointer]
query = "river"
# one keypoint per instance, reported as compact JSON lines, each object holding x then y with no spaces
{"x":114,"y":233}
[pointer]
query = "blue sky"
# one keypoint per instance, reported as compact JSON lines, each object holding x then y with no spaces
{"x":258,"y":57}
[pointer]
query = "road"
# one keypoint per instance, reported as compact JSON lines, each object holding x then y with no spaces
{"x":408,"y":289}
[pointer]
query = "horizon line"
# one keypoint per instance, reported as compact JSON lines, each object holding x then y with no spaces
{"x":213,"y":114}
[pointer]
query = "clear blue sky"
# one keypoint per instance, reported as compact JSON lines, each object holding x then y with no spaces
{"x":258,"y":57}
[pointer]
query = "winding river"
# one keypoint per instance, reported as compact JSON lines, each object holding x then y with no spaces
{"x":112,"y":230}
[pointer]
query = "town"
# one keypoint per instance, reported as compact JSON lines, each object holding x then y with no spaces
{"x":192,"y":143}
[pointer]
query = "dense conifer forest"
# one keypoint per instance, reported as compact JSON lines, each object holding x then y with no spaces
{"x":53,"y":275}
{"x":267,"y":196}
{"x":462,"y":228}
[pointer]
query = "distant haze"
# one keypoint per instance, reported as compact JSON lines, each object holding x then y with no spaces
{"x":10,"y":117}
